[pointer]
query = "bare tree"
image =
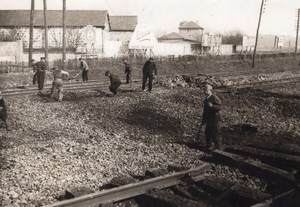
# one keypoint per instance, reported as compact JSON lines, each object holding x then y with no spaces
{"x":56,"y":37}
{"x":74,"y":38}
{"x":12,"y":35}
{"x":234,"y":37}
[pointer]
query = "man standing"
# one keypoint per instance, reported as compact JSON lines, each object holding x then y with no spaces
{"x":34,"y":69}
{"x":84,"y":69}
{"x":41,"y":71}
{"x":127,"y":71}
{"x":58,"y":83}
{"x":211,"y":117}
{"x":3,"y":112}
{"x":115,"y":82}
{"x":148,"y":70}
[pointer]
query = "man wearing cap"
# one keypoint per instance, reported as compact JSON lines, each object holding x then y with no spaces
{"x":115,"y":82}
{"x":41,"y":71}
{"x":3,"y":111}
{"x":149,"y":70}
{"x":84,"y":69}
{"x":127,"y":71}
{"x":58,"y":83}
{"x":211,"y":118}
{"x":34,"y":69}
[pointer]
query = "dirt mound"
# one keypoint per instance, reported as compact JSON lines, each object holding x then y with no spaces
{"x":199,"y":80}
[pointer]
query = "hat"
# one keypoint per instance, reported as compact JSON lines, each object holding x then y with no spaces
{"x":208,"y":86}
{"x":32,"y":60}
{"x":43,"y":58}
{"x":55,"y":68}
{"x":151,"y":58}
{"x":80,"y":59}
{"x":107,"y":72}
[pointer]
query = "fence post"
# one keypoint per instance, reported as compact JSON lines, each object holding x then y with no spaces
{"x":22,"y":66}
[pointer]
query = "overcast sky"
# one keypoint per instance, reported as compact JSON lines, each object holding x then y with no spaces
{"x":162,"y":16}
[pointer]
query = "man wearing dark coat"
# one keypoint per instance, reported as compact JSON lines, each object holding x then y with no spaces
{"x":149,"y":70}
{"x":115,"y":82}
{"x":41,"y":71}
{"x":211,"y":118}
{"x":127,"y":71}
{"x":84,"y":69}
{"x":3,"y":111}
{"x":34,"y":69}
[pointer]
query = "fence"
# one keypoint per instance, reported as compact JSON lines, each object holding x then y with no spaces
{"x":173,"y":65}
{"x":13,"y":67}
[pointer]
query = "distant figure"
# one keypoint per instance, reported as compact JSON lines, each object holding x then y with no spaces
{"x":127,"y":71}
{"x":148,"y":70}
{"x":3,"y":111}
{"x":211,"y":117}
{"x":115,"y":82}
{"x":58,"y":83}
{"x":41,"y":71}
{"x":84,"y":69}
{"x":34,"y":69}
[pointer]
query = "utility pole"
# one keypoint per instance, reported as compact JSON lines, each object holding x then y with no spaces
{"x":31,"y":33}
{"x":257,"y":33}
{"x":46,"y":32}
{"x":297,"y":31}
{"x":64,"y":34}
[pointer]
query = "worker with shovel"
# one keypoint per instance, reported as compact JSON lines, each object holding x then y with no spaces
{"x":58,"y":75}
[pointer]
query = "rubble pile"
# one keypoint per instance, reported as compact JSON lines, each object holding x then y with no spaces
{"x":221,"y":80}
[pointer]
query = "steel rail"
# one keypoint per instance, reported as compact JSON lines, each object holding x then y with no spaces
{"x":93,"y":84}
{"x":132,"y":190}
{"x":76,"y":87}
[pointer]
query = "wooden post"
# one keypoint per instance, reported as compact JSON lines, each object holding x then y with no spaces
{"x":297,"y":32}
{"x":31,"y":33}
{"x":46,"y":32}
{"x":23,"y":67}
{"x":64,"y":34}
{"x":257,"y":33}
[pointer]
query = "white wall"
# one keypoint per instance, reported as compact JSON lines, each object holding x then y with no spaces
{"x":111,"y":48}
{"x":11,"y":51}
{"x":165,"y":49}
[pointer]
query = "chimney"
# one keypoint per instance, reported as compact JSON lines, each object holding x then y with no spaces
{"x":181,"y":23}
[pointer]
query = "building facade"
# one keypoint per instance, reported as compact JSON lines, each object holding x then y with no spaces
{"x":87,"y":31}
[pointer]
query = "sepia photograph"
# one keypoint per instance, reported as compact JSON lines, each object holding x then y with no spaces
{"x":149,"y":103}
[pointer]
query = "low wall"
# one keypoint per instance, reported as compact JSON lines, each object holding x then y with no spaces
{"x":11,"y":51}
{"x":164,"y":49}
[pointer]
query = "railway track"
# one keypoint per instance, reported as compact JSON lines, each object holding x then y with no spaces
{"x":196,"y":187}
{"x":104,"y":82}
{"x":68,"y":86}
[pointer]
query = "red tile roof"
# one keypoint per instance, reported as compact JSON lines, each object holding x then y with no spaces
{"x":189,"y":25}
{"x":123,"y":23}
{"x":171,"y":36}
{"x":176,"y":36}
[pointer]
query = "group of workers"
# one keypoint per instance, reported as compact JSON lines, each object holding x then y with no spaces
{"x":39,"y":69}
{"x":212,"y":104}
